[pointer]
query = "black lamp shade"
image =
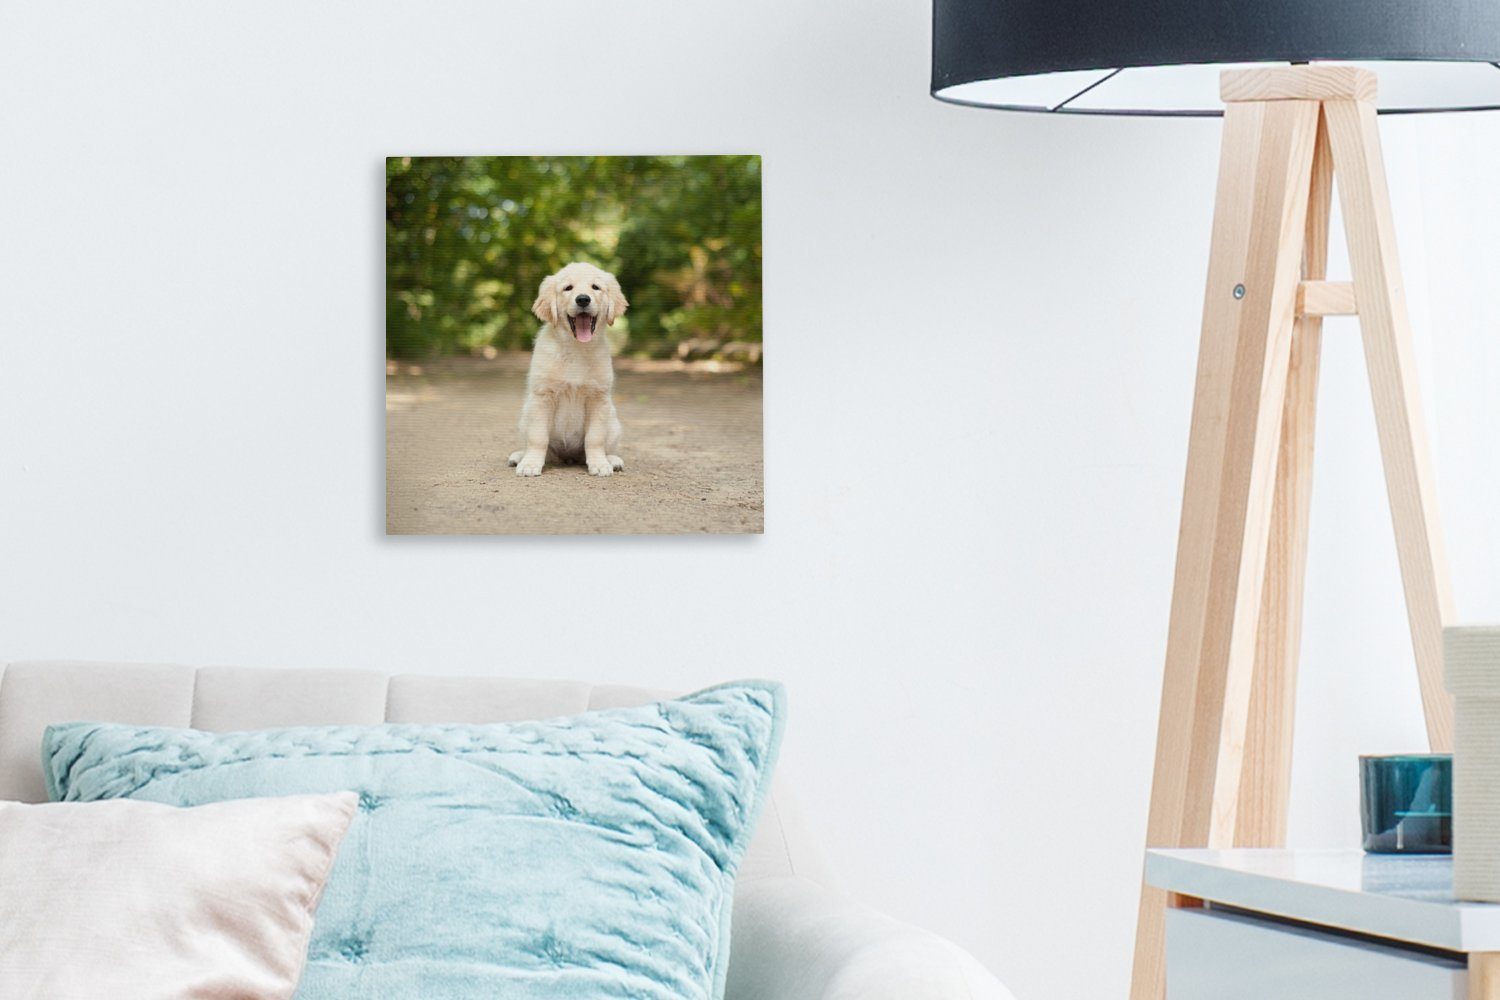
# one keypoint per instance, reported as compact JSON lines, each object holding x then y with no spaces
{"x":1163,"y":57}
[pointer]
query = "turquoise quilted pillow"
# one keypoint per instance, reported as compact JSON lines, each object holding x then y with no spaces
{"x":580,"y":858}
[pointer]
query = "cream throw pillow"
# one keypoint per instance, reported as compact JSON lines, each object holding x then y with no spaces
{"x":142,"y":900}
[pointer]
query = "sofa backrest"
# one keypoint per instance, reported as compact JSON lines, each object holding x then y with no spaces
{"x":222,"y":699}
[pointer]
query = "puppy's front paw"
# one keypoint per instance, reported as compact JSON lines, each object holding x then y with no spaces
{"x":515,"y":458}
{"x":530,"y":465}
{"x":616,"y":462}
{"x":598,"y":467}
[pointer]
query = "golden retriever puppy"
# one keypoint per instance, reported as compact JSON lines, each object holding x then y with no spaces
{"x":569,"y":413}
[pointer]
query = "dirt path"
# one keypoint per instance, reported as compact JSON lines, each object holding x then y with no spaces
{"x":692,"y":451}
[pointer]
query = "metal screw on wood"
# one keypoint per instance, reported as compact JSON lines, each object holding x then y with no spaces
{"x":1239,"y":291}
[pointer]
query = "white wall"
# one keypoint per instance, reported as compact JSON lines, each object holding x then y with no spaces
{"x":966,"y":572}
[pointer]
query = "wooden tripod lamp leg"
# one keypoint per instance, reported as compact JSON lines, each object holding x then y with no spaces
{"x":1266,"y":775}
{"x":1398,"y":408}
{"x":1244,"y":357}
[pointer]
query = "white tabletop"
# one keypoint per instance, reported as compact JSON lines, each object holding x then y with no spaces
{"x":1404,"y":897}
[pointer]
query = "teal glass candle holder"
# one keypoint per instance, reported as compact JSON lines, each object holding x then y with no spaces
{"x":1406,"y":803}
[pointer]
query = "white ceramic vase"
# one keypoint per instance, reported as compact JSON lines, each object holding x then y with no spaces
{"x":1471,"y":657}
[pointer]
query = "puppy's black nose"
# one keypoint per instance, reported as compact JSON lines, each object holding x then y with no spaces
{"x":582,"y":300}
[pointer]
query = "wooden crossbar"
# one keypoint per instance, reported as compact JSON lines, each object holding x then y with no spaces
{"x":1326,"y":298}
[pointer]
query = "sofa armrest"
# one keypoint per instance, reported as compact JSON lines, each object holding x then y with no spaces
{"x":794,"y":940}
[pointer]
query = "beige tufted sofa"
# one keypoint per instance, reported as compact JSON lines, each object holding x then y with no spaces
{"x":792,"y":939}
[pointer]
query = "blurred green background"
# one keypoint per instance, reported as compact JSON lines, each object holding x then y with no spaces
{"x":469,"y":239}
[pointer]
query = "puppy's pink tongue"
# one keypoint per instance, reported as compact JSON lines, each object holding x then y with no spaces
{"x":583,"y":328}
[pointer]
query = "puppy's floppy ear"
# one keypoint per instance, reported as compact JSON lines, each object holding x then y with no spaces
{"x":545,"y":306}
{"x":614,"y":300}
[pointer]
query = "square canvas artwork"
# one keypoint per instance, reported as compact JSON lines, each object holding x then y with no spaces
{"x":573,"y":345}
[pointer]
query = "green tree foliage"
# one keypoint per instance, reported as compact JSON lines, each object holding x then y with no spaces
{"x":469,"y":239}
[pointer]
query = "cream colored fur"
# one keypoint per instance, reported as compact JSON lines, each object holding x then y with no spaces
{"x":569,"y":413}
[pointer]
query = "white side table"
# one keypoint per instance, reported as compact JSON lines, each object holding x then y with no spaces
{"x":1322,"y":925}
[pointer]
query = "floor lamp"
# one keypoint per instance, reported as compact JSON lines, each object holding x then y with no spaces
{"x":1296,"y":84}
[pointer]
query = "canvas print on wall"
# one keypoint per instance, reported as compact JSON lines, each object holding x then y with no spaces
{"x":573,"y":345}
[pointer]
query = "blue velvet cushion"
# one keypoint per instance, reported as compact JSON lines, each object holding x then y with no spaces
{"x":581,"y":858}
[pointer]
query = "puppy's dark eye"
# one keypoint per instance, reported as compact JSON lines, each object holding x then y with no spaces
{"x":567,"y":288}
{"x":594,"y":287}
